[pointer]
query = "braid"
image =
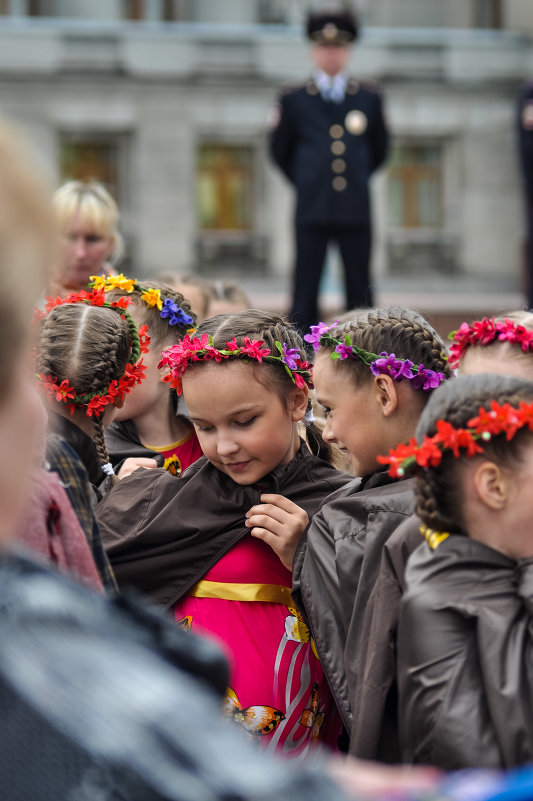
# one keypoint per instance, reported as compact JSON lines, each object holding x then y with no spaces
{"x":271,"y":328}
{"x":89,"y":346}
{"x":161,"y":332}
{"x":397,"y":330}
{"x":440,"y":489}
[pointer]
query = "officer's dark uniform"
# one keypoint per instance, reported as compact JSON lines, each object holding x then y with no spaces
{"x":525,"y":144}
{"x":329,"y":150}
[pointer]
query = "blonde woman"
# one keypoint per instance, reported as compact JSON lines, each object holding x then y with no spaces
{"x":91,"y":244}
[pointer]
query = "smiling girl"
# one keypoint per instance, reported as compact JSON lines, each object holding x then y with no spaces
{"x":195,"y":544}
{"x":373,"y":375}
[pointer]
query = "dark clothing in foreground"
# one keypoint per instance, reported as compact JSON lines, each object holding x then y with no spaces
{"x":162,"y":533}
{"x":334,"y":573}
{"x":108,"y":700}
{"x":465,"y":658}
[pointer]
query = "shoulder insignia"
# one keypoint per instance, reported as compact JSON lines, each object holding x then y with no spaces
{"x":527,"y":115}
{"x":352,"y":87}
{"x":290,"y":86}
{"x":371,"y":85}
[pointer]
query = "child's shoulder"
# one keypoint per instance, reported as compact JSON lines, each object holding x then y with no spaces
{"x":377,"y":494}
{"x":455,"y":568}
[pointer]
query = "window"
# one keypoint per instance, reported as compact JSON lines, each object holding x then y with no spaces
{"x":415,"y":186}
{"x":165,"y":10}
{"x":487,"y":13}
{"x":88,"y":158}
{"x":225,"y":187}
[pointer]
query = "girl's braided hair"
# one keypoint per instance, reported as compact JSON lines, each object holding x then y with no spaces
{"x":90,"y":347}
{"x":159,"y":328}
{"x":393,"y":329}
{"x":270,"y":328}
{"x":440,"y":490}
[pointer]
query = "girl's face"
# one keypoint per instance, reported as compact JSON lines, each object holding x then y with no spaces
{"x":244,"y":428}
{"x":84,"y":253}
{"x":354,"y":421}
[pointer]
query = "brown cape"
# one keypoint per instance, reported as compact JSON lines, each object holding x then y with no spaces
{"x":163,"y":534}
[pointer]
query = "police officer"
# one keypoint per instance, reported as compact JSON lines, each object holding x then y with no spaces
{"x":525,"y":145}
{"x":328,"y":136}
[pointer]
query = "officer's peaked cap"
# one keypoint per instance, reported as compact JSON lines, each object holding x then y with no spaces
{"x":338,"y":27}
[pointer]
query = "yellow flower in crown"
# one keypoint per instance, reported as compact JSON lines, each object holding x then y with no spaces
{"x":98,"y":282}
{"x":120,"y":282}
{"x":152,"y":297}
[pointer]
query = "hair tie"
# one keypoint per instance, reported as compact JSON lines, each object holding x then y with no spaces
{"x":108,"y":469}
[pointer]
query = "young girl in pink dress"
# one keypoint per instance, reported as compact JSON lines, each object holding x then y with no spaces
{"x":216,"y":545}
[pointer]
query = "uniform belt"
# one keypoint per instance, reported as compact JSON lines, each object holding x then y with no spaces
{"x":274,"y":593}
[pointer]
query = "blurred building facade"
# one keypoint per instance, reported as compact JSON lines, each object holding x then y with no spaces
{"x":167,"y":102}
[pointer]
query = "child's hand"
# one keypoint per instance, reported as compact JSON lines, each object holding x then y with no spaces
{"x":280,"y":523}
{"x":132,"y":463}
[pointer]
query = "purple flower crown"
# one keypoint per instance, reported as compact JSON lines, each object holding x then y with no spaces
{"x":384,"y":364}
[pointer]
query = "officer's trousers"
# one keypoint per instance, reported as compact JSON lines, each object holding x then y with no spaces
{"x":311,"y":245}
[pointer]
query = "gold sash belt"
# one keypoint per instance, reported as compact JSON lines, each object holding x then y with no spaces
{"x":274,"y":593}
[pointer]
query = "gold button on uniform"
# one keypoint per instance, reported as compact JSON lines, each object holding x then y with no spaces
{"x":338,"y":165}
{"x":336,"y":131}
{"x":339,"y":183}
{"x":338,"y":147}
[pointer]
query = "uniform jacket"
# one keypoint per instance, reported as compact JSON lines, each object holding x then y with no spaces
{"x":164,"y":533}
{"x":465,"y":657}
{"x":335,"y":569}
{"x":108,"y":699}
{"x":524,"y":128}
{"x":317,"y":142}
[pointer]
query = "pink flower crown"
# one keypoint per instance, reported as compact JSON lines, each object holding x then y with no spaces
{"x":190,"y":351}
{"x":384,"y":364}
{"x":168,"y":310}
{"x":485,"y":331}
{"x":134,"y":372}
{"x":500,"y":419}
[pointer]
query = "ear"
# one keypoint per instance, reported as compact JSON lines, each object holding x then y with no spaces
{"x":491,"y":485}
{"x":297,"y":403}
{"x":118,"y":403}
{"x":386,"y":395}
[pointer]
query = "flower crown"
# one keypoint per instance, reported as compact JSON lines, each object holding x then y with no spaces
{"x":168,"y":310}
{"x":485,"y":331}
{"x":500,"y":419}
{"x":134,"y":371}
{"x":384,"y":364}
{"x":189,"y":351}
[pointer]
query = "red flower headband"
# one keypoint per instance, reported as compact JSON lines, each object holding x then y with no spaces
{"x":96,"y":402}
{"x":189,"y":351}
{"x":501,"y":419}
{"x":485,"y":331}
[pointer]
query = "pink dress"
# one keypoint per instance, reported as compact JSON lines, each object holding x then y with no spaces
{"x":278,"y":692}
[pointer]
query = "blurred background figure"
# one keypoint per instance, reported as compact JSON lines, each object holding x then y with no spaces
{"x":328,"y":137}
{"x":91,"y":244}
{"x":525,"y":146}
